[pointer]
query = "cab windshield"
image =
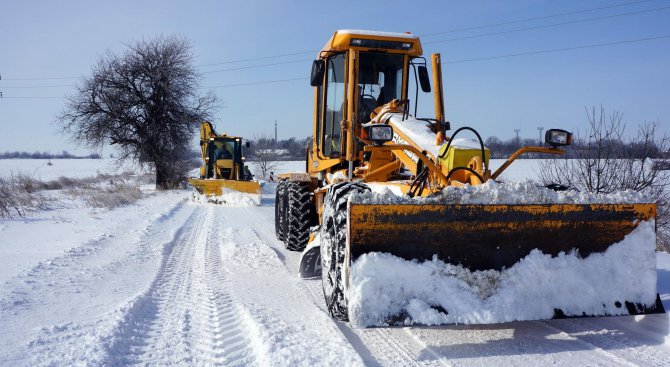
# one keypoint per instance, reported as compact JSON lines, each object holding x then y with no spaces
{"x":223,"y":149}
{"x":379,"y":81}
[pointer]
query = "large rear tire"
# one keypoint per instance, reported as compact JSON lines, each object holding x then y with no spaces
{"x":301,"y":215}
{"x":333,"y":242}
{"x":280,"y":210}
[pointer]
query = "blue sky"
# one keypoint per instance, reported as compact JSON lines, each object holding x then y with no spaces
{"x":49,"y":39}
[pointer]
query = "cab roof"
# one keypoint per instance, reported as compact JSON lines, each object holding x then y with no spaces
{"x":346,"y":39}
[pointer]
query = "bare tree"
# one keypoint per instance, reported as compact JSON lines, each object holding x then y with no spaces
{"x":606,"y":162}
{"x":8,"y":203}
{"x":263,"y":153}
{"x":146,"y":101}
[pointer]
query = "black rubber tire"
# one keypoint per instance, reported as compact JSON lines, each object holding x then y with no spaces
{"x":333,"y":242}
{"x":280,"y":210}
{"x":301,"y":215}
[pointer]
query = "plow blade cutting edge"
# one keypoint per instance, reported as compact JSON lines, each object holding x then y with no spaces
{"x":496,"y":237}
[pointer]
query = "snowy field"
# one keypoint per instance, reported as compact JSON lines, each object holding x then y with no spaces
{"x":77,"y":168}
{"x":73,"y":168}
{"x":167,"y":281}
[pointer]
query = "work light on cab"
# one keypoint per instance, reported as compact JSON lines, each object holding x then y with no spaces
{"x":380,"y":134}
{"x":558,"y":137}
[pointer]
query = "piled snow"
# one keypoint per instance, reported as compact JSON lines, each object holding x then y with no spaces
{"x":419,"y":293}
{"x":491,"y":192}
{"x":229,"y":198}
{"x":663,"y":265}
{"x":417,"y":131}
{"x":464,"y":143}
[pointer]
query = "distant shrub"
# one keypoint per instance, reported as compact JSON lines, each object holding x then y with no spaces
{"x":117,"y":194}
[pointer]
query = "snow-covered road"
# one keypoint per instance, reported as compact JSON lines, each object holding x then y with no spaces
{"x":171,"y":282}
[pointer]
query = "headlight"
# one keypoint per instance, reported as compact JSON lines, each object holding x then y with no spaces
{"x":380,"y":134}
{"x":557,"y":137}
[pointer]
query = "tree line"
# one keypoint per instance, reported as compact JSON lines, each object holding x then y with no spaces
{"x":619,"y":148}
{"x":292,"y":149}
{"x":638,"y":147}
{"x":46,"y":155}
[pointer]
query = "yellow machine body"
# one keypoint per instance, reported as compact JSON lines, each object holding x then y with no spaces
{"x":351,"y":75}
{"x":218,"y":187}
{"x":222,"y":172}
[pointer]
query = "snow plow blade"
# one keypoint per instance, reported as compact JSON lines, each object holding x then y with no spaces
{"x":496,"y":237}
{"x":220,"y":191}
{"x":218,"y":187}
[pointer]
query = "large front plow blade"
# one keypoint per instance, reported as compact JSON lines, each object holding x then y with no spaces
{"x":509,"y":262}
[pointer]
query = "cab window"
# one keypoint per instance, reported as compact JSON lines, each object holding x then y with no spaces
{"x":333,"y":113}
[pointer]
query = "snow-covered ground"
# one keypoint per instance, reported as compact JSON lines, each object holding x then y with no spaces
{"x":72,"y":168}
{"x":167,"y":281}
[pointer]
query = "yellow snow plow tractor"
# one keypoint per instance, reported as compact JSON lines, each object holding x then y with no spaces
{"x":223,"y":168}
{"x":406,"y":223}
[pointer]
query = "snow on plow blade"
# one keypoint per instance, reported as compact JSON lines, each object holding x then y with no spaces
{"x":488,"y":238}
{"x":223,"y":191}
{"x":482,"y":237}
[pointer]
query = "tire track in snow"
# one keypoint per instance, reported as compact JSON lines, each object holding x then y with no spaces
{"x":71,"y":283}
{"x":79,"y":259}
{"x":612,"y":337}
{"x":186,"y":316}
{"x":224,"y":338}
{"x":151,"y":315}
{"x":376,"y":346}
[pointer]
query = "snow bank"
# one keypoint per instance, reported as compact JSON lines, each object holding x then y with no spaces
{"x":491,"y":192}
{"x":384,"y":288}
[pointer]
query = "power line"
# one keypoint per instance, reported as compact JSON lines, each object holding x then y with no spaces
{"x":47,"y":78}
{"x":534,"y":18}
{"x":5,"y":97}
{"x":212,"y":87}
{"x":423,"y":35}
{"x":259,"y":58}
{"x":444,"y":32}
{"x":254,"y":83}
{"x":554,"y":50}
{"x":256,"y":66}
{"x":445,"y":62}
{"x":547,"y":26}
{"x":453,"y":39}
{"x":39,"y":86}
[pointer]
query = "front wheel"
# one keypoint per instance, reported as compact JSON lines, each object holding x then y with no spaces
{"x":280,"y":210}
{"x":333,"y":243}
{"x":301,"y":215}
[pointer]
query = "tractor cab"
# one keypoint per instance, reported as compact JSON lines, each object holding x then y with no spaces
{"x":355,"y":73}
{"x":224,"y":158}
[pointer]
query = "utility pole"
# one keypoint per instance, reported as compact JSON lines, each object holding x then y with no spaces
{"x":540,"y":128}
{"x":275,"y":132}
{"x":517,"y":135}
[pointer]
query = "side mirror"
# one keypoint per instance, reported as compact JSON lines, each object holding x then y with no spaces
{"x":247,"y":144}
{"x":318,"y":68}
{"x":423,"y":79}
